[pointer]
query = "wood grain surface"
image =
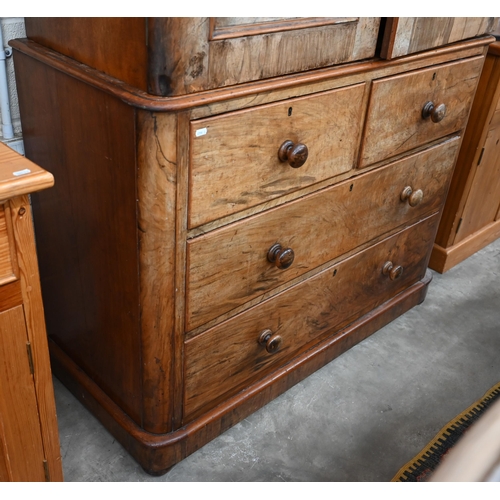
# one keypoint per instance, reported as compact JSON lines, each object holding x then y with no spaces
{"x":394,"y":120}
{"x":406,"y":35}
{"x":228,"y":267}
{"x":223,"y":359}
{"x":19,"y":424}
{"x":234,"y":157}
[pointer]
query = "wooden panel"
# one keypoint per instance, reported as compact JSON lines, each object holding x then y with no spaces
{"x":487,"y":94}
{"x":235,"y":165}
{"x":228,"y":266}
{"x":224,"y":358}
{"x":183,"y":60}
{"x":484,"y":195}
{"x":395,"y":123}
{"x":233,"y":27}
{"x":115,"y":45}
{"x":18,"y":405}
{"x":86,"y":224}
{"x":22,"y":225}
{"x":443,"y":259}
{"x":254,"y":58}
{"x":157,"y":176}
{"x":6,"y":251}
{"x":406,"y":35}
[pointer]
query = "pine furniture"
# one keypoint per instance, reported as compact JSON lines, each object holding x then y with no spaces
{"x":471,"y":217}
{"x":29,"y":438}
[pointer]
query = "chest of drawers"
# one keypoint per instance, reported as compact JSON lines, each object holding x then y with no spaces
{"x":201,"y":253}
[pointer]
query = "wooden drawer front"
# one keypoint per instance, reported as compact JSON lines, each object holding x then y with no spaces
{"x":234,"y":158}
{"x":7,"y":273}
{"x":395,"y":123}
{"x":229,"y":266}
{"x":224,"y":359}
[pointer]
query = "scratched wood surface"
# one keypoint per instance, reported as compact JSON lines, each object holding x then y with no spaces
{"x":234,"y":157}
{"x":406,"y":35}
{"x":394,"y":120}
{"x":228,"y":267}
{"x":179,"y":55}
{"x":224,"y":358}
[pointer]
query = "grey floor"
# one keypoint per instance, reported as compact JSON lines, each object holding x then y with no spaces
{"x":360,"y":418}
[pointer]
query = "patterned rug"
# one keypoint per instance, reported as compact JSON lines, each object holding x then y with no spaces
{"x":420,"y":468}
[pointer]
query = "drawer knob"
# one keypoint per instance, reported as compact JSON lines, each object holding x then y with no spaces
{"x":394,"y":272}
{"x":281,"y":257}
{"x":435,"y":113}
{"x":271,"y":342}
{"x":412,"y":197}
{"x":294,"y":154}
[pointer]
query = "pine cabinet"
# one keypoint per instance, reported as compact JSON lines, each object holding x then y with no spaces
{"x":29,"y":439}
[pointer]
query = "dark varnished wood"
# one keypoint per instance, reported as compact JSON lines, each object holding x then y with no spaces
{"x":413,"y":197}
{"x":436,"y":112}
{"x":88,"y":220}
{"x":114,"y":45}
{"x":294,"y":154}
{"x":157,"y":453}
{"x":281,"y":257}
{"x":155,"y":393}
{"x":228,"y":267}
{"x":179,"y":55}
{"x":301,"y":315}
{"x":140,"y":99}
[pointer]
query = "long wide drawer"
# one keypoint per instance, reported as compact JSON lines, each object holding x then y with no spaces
{"x":234,"y":157}
{"x":409,"y":110}
{"x":228,"y":357}
{"x":230,"y":266}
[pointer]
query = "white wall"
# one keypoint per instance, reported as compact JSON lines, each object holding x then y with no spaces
{"x":13,"y":27}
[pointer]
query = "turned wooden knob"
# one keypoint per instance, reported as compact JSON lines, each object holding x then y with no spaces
{"x":281,"y":257}
{"x":271,"y":342}
{"x":394,"y":272}
{"x":294,"y":154}
{"x":435,"y":113}
{"x":412,"y":197}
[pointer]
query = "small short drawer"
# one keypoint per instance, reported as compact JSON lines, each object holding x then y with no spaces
{"x":235,"y":158}
{"x":231,"y":265}
{"x":409,"y":110}
{"x":230,"y":356}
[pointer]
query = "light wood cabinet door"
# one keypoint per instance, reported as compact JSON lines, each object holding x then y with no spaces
{"x":21,"y":445}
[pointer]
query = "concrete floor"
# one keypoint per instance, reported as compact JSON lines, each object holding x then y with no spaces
{"x":360,"y":418}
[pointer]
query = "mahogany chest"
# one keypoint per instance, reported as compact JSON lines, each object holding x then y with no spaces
{"x":246,"y":201}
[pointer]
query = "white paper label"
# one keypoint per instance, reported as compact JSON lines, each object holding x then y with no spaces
{"x":22,"y":172}
{"x":200,"y":132}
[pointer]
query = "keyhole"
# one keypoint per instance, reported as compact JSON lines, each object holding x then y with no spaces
{"x":350,"y":187}
{"x":434,"y":76}
{"x":290,"y":111}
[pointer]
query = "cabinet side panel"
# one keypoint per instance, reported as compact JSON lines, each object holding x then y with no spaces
{"x":114,"y":45}
{"x":86,"y":225}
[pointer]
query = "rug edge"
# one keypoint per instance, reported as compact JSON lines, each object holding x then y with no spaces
{"x":432,"y":442}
